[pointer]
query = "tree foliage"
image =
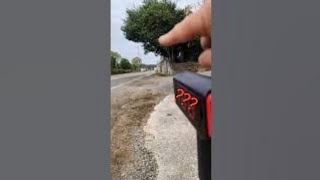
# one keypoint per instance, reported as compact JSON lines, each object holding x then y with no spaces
{"x":113,"y":62}
{"x":116,"y":55}
{"x":136,"y":60}
{"x":125,"y":64}
{"x":136,"y":63}
{"x":145,"y":24}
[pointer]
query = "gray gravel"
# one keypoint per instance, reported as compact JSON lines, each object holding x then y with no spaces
{"x":144,"y":166}
{"x":172,"y":139}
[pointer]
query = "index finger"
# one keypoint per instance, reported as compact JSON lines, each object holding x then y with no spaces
{"x":192,"y":26}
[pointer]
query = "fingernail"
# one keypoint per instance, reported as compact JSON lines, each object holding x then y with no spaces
{"x":161,"y":39}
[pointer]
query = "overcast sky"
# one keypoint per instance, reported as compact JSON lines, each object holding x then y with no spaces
{"x":119,"y":43}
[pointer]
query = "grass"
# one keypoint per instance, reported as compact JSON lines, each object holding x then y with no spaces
{"x":159,"y":74}
{"x":127,"y":115}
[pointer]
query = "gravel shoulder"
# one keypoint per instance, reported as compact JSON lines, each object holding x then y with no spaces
{"x":172,"y":139}
{"x":131,"y":106}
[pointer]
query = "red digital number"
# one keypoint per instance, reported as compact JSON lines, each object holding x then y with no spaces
{"x":187,"y":102}
{"x":191,"y":108}
{"x":195,"y":102}
{"x":181,"y":91}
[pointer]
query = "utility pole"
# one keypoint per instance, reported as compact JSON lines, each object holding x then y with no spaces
{"x":138,"y":55}
{"x":138,"y":52}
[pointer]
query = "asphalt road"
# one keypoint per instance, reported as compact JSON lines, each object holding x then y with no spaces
{"x":123,"y":79}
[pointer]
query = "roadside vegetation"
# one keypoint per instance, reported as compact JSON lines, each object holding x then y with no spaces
{"x":121,"y":65}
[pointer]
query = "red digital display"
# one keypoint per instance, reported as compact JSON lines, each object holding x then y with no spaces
{"x":187,"y":102}
{"x":193,"y":96}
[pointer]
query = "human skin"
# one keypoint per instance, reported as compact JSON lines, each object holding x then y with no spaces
{"x":194,"y":25}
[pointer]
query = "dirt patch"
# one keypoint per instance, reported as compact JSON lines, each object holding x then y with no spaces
{"x":131,"y":107}
{"x":188,"y":66}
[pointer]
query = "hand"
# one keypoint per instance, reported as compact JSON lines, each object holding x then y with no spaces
{"x":194,"y":25}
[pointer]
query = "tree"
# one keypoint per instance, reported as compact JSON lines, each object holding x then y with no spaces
{"x":115,"y":59}
{"x":136,"y":63}
{"x":145,"y":24}
{"x":115,"y":54}
{"x":113,"y":62}
{"x":192,"y":50}
{"x":125,"y":64}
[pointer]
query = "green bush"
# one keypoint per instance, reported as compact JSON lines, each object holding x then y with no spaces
{"x":125,"y":64}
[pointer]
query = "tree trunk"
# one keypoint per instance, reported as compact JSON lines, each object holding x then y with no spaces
{"x":165,"y":66}
{"x":172,"y":55}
